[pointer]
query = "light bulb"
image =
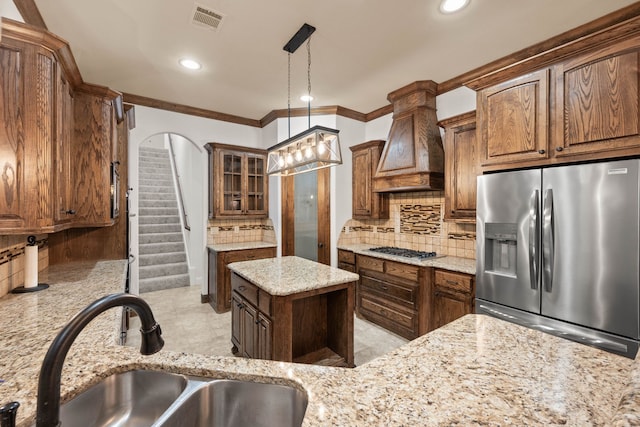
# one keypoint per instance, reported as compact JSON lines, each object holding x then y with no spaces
{"x":289,"y":158}
{"x":321,"y":148}
{"x":281,"y":161}
{"x":298,"y":155}
{"x":308,"y":152}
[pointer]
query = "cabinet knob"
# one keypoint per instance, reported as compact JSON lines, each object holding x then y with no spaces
{"x":71,"y":212}
{"x":541,"y":151}
{"x":258,"y":322}
{"x":559,"y":148}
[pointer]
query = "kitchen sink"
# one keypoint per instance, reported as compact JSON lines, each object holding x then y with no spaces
{"x":161,"y":399}
{"x":231,"y":403}
{"x":134,"y":398}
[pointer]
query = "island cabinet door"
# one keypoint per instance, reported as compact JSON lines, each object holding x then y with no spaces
{"x":264,"y":337}
{"x":249,"y":332}
{"x":237,"y":315}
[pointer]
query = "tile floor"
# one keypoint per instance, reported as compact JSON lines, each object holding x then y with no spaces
{"x":189,"y":326}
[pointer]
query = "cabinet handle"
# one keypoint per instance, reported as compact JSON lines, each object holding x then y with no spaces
{"x":451,"y":282}
{"x":70,"y":212}
{"x":258,"y":322}
{"x":541,"y":151}
{"x":385,"y":288}
{"x":241,"y":288}
{"x":559,"y":148}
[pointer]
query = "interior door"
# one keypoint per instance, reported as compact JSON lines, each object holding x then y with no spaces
{"x":306,"y":228}
{"x":508,"y":237}
{"x":590,"y":245}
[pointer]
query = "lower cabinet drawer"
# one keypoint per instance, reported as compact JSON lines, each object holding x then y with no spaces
{"x":403,"y":294}
{"x":347,"y":267}
{"x":248,"y":290}
{"x":395,"y":319}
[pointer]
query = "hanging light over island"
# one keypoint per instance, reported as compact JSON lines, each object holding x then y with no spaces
{"x":317,"y":147}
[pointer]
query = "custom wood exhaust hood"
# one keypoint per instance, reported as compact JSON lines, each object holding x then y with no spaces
{"x":413,"y":157}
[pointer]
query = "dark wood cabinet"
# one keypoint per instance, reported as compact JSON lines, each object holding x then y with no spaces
{"x":453,"y":295}
{"x":94,"y":134}
{"x":461,"y":167}
{"x":238,"y":184}
{"x":251,"y":329}
{"x":597,"y":98}
{"x":394,"y":295}
{"x":513,"y":120}
{"x":219,"y":277}
{"x":346,"y":260}
{"x":365,"y":203}
{"x":55,"y":171}
{"x":314,"y":327}
{"x":582,"y":106}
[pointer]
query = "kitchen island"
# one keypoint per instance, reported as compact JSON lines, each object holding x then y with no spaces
{"x":476,"y":370}
{"x":293,"y":310}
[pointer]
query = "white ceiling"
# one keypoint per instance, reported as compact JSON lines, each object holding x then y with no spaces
{"x":361,"y":50}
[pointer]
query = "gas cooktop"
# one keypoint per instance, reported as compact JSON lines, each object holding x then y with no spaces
{"x":408,"y":253}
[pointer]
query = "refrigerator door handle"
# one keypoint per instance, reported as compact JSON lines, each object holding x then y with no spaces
{"x":533,"y":239}
{"x":547,"y":240}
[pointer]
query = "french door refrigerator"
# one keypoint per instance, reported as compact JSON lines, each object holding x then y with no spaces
{"x":558,"y":250}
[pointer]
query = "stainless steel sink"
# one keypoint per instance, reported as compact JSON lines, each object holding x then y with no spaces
{"x":134,"y":398}
{"x":161,"y":399}
{"x":230,"y":403}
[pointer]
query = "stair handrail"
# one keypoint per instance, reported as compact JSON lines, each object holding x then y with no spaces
{"x":180,"y":199}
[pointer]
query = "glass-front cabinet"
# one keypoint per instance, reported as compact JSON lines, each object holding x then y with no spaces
{"x":237,"y":182}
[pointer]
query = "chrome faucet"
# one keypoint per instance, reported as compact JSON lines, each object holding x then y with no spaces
{"x":48,"y":409}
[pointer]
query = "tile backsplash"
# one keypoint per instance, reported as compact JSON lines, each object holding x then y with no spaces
{"x":415,"y":222}
{"x":12,"y":260}
{"x":220,"y":231}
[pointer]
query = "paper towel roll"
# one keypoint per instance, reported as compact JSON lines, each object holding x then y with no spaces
{"x":30,"y":266}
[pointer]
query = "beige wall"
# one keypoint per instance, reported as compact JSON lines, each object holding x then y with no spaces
{"x":12,"y":260}
{"x":415,"y":222}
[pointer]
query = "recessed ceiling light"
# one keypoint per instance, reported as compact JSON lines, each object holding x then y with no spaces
{"x":450,"y":6}
{"x":306,"y":98}
{"x":190,"y":64}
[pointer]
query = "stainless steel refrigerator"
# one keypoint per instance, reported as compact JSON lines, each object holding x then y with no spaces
{"x":558,"y":250}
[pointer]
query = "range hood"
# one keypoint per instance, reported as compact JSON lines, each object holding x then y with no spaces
{"x":413,"y":157}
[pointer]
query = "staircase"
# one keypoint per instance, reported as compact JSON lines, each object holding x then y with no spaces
{"x":163,"y":260}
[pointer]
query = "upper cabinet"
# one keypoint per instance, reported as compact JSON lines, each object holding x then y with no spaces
{"x":45,"y":156}
{"x":596,"y":101}
{"x":581,"y":104}
{"x":513,"y":120}
{"x":238,"y":184}
{"x":461,"y":167}
{"x":364,"y":162}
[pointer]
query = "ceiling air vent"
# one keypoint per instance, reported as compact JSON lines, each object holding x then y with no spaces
{"x":206,"y":18}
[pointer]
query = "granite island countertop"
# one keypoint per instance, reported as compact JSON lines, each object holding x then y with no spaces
{"x":452,"y":263}
{"x":476,"y":370}
{"x":290,"y":275}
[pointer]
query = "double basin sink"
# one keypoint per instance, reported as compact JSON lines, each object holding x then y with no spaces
{"x":162,"y":399}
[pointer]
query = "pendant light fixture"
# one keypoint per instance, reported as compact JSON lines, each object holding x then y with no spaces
{"x":316,"y":148}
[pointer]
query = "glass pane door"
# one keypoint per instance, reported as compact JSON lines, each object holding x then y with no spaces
{"x":306,"y":215}
{"x":232,"y":178}
{"x":255,"y":180}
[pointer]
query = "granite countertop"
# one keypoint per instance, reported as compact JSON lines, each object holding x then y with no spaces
{"x":290,"y":275}
{"x":476,"y":370}
{"x":452,"y":263}
{"x":226,"y":247}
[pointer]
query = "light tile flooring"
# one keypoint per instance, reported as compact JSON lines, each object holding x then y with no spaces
{"x":192,"y":327}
